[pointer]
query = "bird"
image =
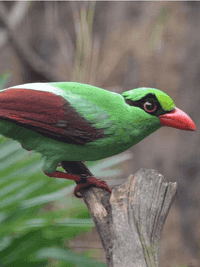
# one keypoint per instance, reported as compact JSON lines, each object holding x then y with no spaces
{"x":76,"y":122}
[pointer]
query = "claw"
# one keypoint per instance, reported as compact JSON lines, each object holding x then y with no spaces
{"x":78,"y":188}
{"x":91,"y":181}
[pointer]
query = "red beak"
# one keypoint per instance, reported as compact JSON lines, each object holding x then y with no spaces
{"x":177,"y":119}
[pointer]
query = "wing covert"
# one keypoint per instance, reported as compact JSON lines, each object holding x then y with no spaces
{"x":48,"y":114}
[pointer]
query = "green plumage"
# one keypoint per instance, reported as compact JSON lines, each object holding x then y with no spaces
{"x":122,"y":125}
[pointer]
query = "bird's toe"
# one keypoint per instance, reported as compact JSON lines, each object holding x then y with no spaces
{"x":91,"y":181}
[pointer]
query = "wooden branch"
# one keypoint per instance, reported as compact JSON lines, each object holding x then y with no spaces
{"x":130,"y":222}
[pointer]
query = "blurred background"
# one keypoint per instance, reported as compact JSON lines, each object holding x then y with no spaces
{"x":116,"y":46}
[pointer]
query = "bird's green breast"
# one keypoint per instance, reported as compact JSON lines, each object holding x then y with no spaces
{"x":125,"y":133}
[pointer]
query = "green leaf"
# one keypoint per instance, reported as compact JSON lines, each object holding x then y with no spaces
{"x":67,"y":256}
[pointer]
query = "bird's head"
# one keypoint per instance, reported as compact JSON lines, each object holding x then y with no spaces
{"x":159,"y":104}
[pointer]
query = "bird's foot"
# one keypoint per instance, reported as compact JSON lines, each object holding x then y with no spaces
{"x":87,"y":182}
{"x":83,"y":180}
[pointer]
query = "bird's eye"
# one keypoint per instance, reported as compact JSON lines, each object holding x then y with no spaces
{"x":149,"y":106}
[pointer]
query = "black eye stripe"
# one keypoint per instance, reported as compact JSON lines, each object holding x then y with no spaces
{"x":148,"y":98}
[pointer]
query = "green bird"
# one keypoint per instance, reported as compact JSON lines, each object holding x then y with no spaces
{"x":68,"y":121}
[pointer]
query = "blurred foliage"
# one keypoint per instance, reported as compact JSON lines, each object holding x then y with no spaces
{"x":31,"y":233}
{"x":4,"y":78}
{"x":27,"y":226}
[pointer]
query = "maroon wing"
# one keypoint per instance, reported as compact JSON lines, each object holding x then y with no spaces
{"x":48,"y":114}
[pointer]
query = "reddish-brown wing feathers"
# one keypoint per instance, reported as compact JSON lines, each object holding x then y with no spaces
{"x":48,"y":114}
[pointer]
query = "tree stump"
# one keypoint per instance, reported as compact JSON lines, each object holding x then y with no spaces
{"x":130,"y":221}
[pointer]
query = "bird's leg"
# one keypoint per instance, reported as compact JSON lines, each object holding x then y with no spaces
{"x":77,"y":171}
{"x":58,"y":174}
